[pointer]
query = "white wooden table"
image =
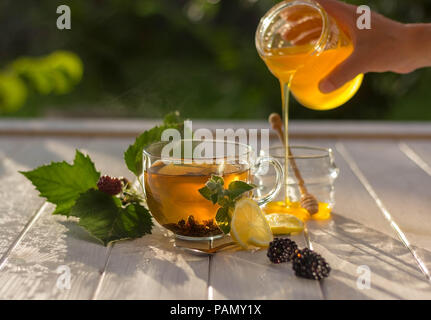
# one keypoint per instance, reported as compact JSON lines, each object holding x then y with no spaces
{"x":382,"y":220}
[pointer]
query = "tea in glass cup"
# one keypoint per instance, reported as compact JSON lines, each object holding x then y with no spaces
{"x":172,"y":183}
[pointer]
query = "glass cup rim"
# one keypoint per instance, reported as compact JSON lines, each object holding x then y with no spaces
{"x":248,"y":148}
{"x":275,"y":10}
{"x":326,"y":152}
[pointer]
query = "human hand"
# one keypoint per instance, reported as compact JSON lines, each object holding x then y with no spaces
{"x":387,"y":46}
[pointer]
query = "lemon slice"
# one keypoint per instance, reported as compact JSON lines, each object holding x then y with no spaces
{"x":249,"y":225}
{"x":284,"y":223}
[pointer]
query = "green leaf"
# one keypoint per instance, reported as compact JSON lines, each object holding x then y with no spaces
{"x":224,"y":201}
{"x":213,"y":189}
{"x":215,"y":185}
{"x":103,"y":216}
{"x":238,"y":188}
{"x":57,"y":72}
{"x":13,"y":92}
{"x":215,"y":192}
{"x":214,"y":198}
{"x":172,"y":118}
{"x":133,"y":154}
{"x":223,"y":219}
{"x":61,"y":183}
{"x":206,"y":193}
{"x":218,"y":180}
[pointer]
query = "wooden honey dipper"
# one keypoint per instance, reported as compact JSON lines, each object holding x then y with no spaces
{"x":308,"y":201}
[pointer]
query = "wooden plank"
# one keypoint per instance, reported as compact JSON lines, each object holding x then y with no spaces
{"x":351,"y":199}
{"x":107,"y":154}
{"x":422,"y":148}
{"x":53,"y":242}
{"x":10,"y":145}
{"x":32,"y":266}
{"x":237,"y":274}
{"x":349,"y":247}
{"x":12,"y":214}
{"x":355,"y":206}
{"x":151,"y":268}
{"x":132,"y":127}
{"x":419,"y":152}
{"x":19,"y":200}
{"x":30,"y":270}
{"x":398,"y":186}
{"x":358,"y":235}
{"x":401,"y":185}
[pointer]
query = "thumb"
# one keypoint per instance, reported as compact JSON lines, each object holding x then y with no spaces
{"x":342,"y":74}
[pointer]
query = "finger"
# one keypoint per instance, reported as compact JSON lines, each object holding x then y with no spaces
{"x":342,"y":74}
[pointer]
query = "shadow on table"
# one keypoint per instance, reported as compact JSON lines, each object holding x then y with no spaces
{"x":144,"y":268}
{"x":345,"y":243}
{"x":352,"y":247}
{"x":131,"y":251}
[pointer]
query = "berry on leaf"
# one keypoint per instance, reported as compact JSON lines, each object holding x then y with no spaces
{"x":111,"y":186}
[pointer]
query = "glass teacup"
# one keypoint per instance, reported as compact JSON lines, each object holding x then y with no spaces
{"x":175,"y":171}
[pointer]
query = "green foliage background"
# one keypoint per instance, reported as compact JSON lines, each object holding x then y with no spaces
{"x":143,"y":58}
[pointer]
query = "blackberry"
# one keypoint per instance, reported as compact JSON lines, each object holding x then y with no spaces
{"x":111,"y":186}
{"x":281,"y":250}
{"x":311,"y":265}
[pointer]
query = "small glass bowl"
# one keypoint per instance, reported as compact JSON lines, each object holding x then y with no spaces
{"x":317,"y":168}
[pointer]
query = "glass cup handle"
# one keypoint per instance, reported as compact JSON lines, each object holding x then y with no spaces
{"x":278,"y":179}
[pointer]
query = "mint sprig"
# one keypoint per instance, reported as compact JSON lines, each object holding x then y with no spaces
{"x":215,"y":192}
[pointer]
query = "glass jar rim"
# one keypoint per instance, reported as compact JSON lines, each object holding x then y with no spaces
{"x":248,"y":150}
{"x":274,"y":11}
{"x":324,"y":152}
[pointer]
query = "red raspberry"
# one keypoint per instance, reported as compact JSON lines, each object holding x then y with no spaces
{"x":111,"y":186}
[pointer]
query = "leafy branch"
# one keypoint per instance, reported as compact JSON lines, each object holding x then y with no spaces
{"x":56,"y":73}
{"x":215,"y":192}
{"x":110,"y":209}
